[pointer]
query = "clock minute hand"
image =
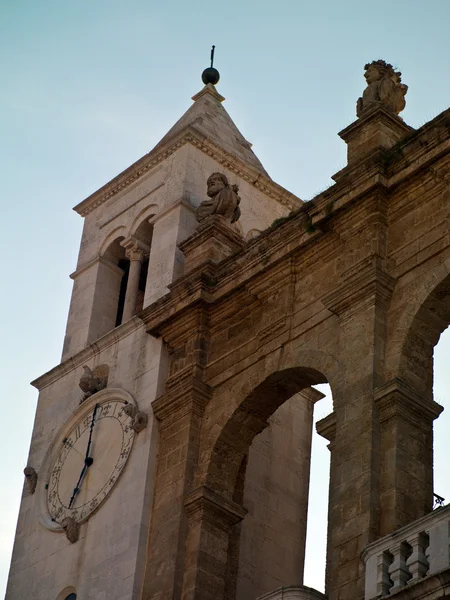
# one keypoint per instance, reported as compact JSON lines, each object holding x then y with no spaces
{"x":87,"y":460}
{"x":90,"y":434}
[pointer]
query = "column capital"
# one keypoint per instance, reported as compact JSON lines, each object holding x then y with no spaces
{"x":395,"y":399}
{"x":185,"y":394}
{"x":205,"y":504}
{"x":135,"y":250}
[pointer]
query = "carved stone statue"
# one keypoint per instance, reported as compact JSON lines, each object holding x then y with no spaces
{"x":31,"y":478}
{"x":71,"y":528}
{"x":224,"y":199}
{"x":138,"y":418}
{"x":92,"y":382}
{"x":384,"y":88}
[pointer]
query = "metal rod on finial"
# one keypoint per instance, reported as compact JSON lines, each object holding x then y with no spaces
{"x":212,"y":56}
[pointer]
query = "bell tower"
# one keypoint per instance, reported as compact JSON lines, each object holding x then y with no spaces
{"x":85,"y":512}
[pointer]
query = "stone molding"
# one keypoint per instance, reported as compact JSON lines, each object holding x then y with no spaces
{"x":396,"y":399}
{"x":184,"y":395}
{"x":213,"y":241}
{"x":194,"y":137}
{"x":376,"y":128}
{"x":100,"y":259}
{"x":326,"y":427}
{"x":380,"y":116}
{"x":88,"y":353}
{"x":369,"y":282}
{"x":204,"y":504}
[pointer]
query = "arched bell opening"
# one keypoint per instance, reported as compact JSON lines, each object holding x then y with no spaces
{"x":115,"y":283}
{"x":260,"y":465}
{"x":144,"y":236}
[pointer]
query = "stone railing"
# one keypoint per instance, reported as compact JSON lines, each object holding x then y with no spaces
{"x":408,"y":555}
{"x":294,"y":593}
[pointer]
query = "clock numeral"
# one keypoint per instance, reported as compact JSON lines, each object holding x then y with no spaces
{"x":77,"y":432}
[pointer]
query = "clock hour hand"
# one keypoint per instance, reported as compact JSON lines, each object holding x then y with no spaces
{"x":88,"y":460}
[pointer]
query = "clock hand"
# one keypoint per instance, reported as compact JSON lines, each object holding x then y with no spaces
{"x":87,"y":459}
{"x":90,"y":434}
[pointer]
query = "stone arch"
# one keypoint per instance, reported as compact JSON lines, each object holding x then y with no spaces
{"x":234,"y":417}
{"x":256,"y":397}
{"x":144,"y":215}
{"x":420,"y":313}
{"x":119,"y":233}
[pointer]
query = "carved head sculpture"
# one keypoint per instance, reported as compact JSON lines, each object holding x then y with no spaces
{"x":376,"y":70}
{"x":215,"y":183}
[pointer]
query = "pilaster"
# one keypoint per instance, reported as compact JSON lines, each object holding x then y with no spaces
{"x":406,"y":420}
{"x":377,"y":129}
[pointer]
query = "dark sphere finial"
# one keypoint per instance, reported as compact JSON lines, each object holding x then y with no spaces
{"x":210,"y":75}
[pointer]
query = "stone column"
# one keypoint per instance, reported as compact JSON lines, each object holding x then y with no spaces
{"x":360,"y":302}
{"x":211,"y":520}
{"x":180,"y":413}
{"x":406,"y":420}
{"x":135,"y":252}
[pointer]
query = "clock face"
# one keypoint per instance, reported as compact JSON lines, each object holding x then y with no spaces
{"x":89,"y":461}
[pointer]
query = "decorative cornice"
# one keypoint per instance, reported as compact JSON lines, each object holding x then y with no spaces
{"x":204,"y":504}
{"x":99,"y":260}
{"x":197,"y":139}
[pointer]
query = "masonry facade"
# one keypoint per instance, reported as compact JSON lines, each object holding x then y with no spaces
{"x":235,"y":325}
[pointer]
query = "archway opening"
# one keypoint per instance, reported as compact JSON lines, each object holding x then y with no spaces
{"x":262,"y":460}
{"x":319,"y":483}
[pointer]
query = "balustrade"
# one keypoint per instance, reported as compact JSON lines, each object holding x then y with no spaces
{"x":408,"y":555}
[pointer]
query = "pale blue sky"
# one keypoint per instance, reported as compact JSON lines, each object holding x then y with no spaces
{"x":90,"y":86}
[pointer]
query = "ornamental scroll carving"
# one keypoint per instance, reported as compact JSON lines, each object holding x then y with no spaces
{"x":384,"y":88}
{"x":224,"y":199}
{"x":31,"y":478}
{"x":138,"y":418}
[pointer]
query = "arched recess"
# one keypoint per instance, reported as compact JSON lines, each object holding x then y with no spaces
{"x":224,"y":456}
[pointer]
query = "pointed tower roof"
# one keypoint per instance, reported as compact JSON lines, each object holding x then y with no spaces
{"x":207,"y":126}
{"x":209,"y":118}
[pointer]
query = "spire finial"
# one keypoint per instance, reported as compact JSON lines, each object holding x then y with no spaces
{"x":211,"y":75}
